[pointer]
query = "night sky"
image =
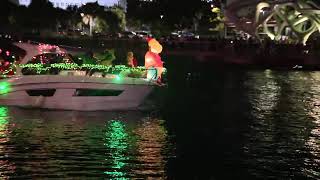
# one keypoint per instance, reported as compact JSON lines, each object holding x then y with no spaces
{"x":65,"y":3}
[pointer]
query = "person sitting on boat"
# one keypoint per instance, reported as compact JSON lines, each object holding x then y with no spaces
{"x":1,"y":60}
{"x":131,"y":60}
{"x":153,"y":61}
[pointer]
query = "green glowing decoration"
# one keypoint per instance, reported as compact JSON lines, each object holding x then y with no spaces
{"x":5,"y":87}
{"x":301,"y":17}
{"x":65,"y":66}
{"x":117,"y":142}
{"x":73,"y":66}
{"x":45,"y":68}
{"x":118,"y":78}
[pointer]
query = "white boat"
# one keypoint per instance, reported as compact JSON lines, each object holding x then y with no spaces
{"x":74,"y":90}
{"x":81,"y":93}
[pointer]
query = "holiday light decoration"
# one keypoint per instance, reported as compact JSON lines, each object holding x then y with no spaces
{"x":65,"y":66}
{"x":301,"y":17}
{"x":7,"y":69}
{"x":47,"y":48}
{"x":44,"y":68}
{"x":153,"y":62}
{"x":155,"y":46}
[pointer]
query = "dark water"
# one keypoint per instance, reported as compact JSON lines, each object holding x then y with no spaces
{"x":216,"y":125}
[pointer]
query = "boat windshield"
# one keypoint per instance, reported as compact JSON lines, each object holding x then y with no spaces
{"x":51,"y":58}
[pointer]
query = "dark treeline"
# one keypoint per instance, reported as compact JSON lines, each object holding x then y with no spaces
{"x":168,"y":14}
{"x":158,"y":16}
{"x":41,"y":16}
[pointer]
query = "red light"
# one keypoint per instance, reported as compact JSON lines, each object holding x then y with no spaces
{"x":7,"y":53}
{"x":0,"y":50}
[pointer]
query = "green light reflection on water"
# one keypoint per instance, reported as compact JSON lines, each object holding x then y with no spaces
{"x":117,"y":142}
{"x":3,"y":119}
{"x":6,"y":167}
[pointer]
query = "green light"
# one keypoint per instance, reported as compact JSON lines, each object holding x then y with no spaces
{"x":4,"y":87}
{"x":117,"y":142}
{"x":118,"y":69}
{"x":118,"y":78}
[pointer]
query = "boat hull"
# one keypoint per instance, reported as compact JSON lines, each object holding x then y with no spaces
{"x":131,"y":93}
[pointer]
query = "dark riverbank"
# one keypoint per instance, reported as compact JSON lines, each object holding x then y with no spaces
{"x":232,"y":53}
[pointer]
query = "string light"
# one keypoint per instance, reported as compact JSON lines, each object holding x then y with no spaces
{"x":39,"y":68}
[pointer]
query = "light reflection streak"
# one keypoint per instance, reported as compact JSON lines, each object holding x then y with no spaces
{"x":151,"y":141}
{"x":3,"y":124}
{"x":6,"y":167}
{"x":268,"y":93}
{"x":314,"y":138}
{"x":117,"y":142}
{"x":284,"y":122}
{"x":264,"y":94}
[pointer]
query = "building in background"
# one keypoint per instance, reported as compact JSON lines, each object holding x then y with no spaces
{"x":15,"y":2}
{"x":123,"y":4}
{"x":63,"y":4}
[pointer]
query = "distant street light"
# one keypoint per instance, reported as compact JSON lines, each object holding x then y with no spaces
{"x":88,"y":19}
{"x":161,"y":16}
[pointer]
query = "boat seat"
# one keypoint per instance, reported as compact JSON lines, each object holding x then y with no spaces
{"x":72,"y":73}
{"x":97,"y":74}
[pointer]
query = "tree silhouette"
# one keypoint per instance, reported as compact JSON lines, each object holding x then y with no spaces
{"x":42,"y":14}
{"x":6,"y":9}
{"x":174,"y":14}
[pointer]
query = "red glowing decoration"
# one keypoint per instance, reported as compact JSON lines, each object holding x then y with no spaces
{"x":155,"y":46}
{"x":11,"y":72}
{"x":8,"y":53}
{"x":153,"y":59}
{"x":47,"y":48}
